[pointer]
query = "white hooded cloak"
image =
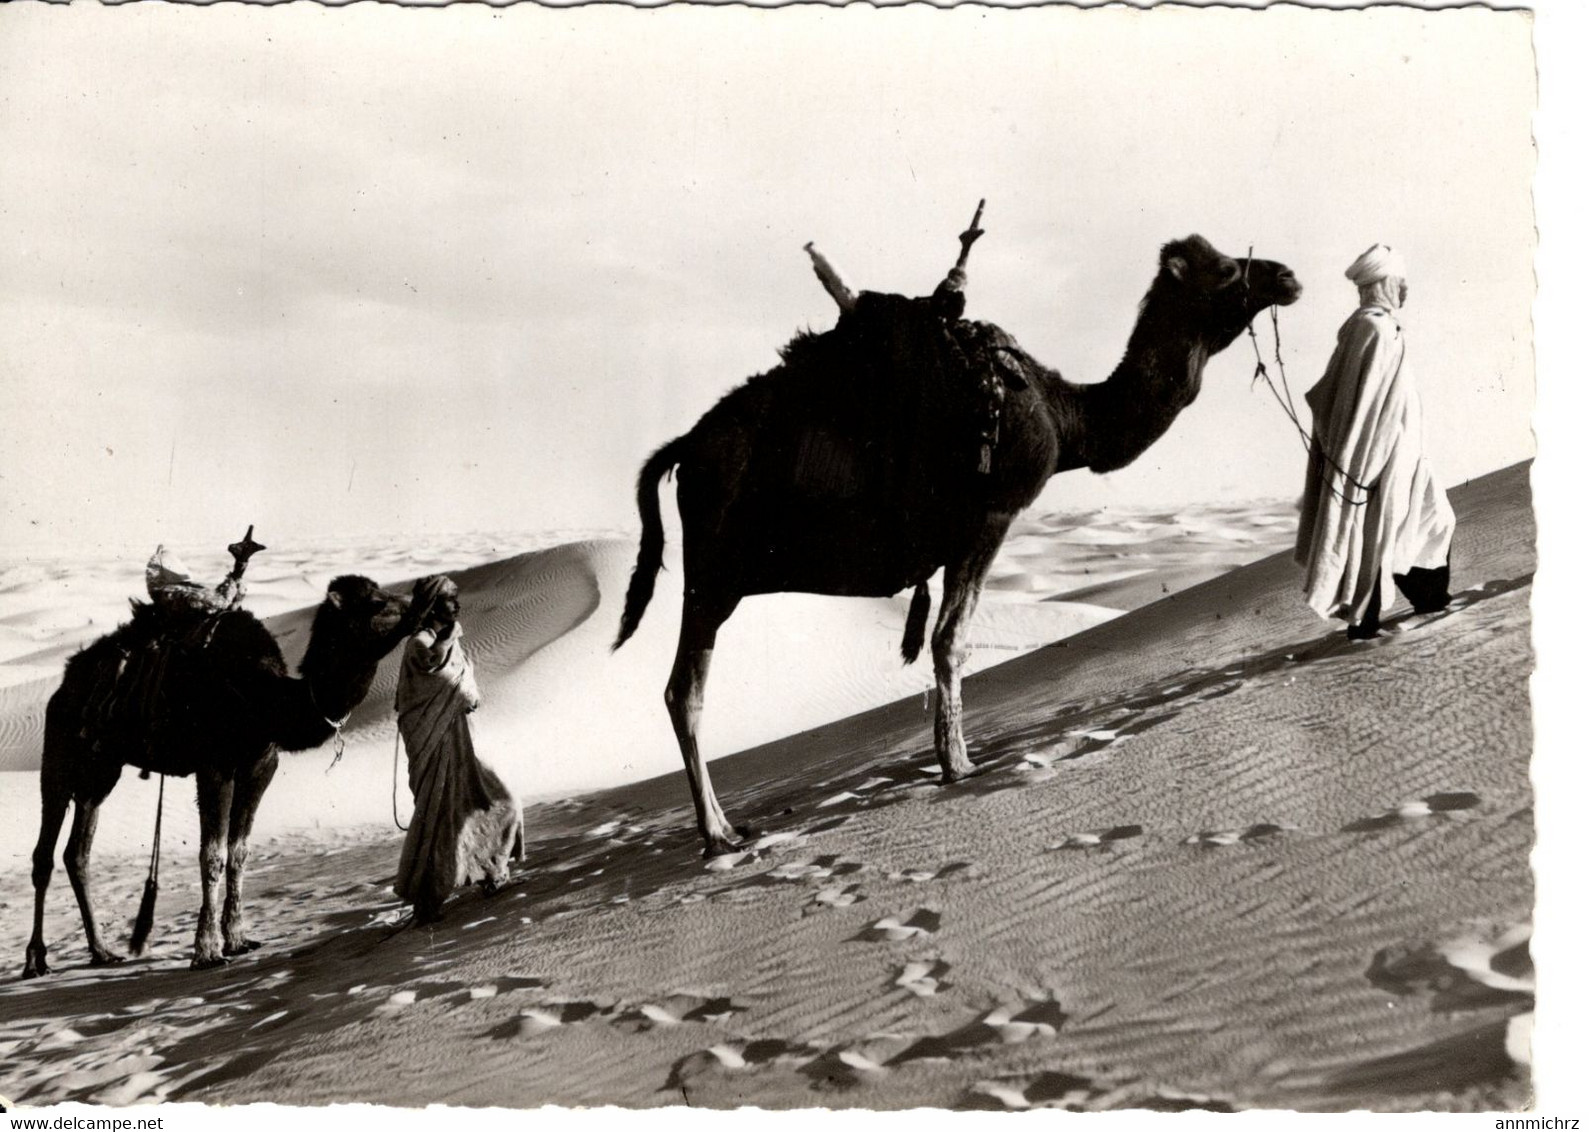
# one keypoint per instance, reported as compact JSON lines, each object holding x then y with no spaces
{"x":1368,"y":425}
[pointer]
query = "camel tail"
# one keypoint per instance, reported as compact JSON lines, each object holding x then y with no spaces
{"x":642,"y":582}
{"x":916,"y":624}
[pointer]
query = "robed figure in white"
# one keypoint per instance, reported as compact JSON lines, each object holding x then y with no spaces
{"x":1372,"y":514}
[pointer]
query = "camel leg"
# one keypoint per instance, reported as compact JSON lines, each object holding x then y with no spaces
{"x":961,"y":587}
{"x":79,"y":847}
{"x":56,"y":797}
{"x":215,"y":803}
{"x":246,"y":795}
{"x":685,"y":695}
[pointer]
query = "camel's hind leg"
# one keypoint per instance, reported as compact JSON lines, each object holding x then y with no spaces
{"x":246,"y":795}
{"x":962,"y":585}
{"x":55,"y":796}
{"x":685,"y":694}
{"x":79,"y":850}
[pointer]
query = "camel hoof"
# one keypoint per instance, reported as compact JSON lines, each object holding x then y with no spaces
{"x":954,"y":774}
{"x":105,"y":959}
{"x":720,"y":847}
{"x":242,"y":948}
{"x":205,"y":963}
{"x":36,"y":964}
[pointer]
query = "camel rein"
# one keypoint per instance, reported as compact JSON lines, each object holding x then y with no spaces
{"x":335,"y":725}
{"x":397,"y":746}
{"x":1288,"y":406}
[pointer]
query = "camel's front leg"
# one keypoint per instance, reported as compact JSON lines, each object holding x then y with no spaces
{"x":215,"y":804}
{"x":961,"y":587}
{"x":685,"y":695}
{"x":246,"y":795}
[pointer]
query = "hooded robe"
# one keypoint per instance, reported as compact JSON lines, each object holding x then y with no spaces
{"x":467,"y":825}
{"x":1368,"y":425}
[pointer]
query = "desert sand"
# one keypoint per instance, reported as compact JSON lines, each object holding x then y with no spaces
{"x":1216,"y":857}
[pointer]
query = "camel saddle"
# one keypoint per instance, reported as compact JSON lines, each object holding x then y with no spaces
{"x":979,"y":352}
{"x":129,"y":696}
{"x":984,"y":357}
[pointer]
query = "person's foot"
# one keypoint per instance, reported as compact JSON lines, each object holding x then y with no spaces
{"x":1361,"y":632}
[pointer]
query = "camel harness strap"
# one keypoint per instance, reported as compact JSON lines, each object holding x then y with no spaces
{"x":1288,"y":406}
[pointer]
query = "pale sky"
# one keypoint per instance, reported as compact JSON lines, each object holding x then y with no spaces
{"x":380,"y":271}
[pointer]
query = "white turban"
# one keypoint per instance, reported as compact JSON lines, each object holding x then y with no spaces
{"x":1378,"y":262}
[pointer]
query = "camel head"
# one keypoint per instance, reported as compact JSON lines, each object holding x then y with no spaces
{"x":1220,"y":295}
{"x":356,"y":625}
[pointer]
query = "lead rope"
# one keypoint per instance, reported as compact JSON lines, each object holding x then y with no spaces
{"x":341,"y":744}
{"x":397,"y":744}
{"x":1288,"y":406}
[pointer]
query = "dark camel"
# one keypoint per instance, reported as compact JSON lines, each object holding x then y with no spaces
{"x":851,"y":468}
{"x":225,"y":706}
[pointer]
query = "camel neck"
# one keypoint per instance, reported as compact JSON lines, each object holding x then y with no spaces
{"x":1107,"y":425}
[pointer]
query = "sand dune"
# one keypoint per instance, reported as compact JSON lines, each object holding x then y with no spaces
{"x":1217,"y":857}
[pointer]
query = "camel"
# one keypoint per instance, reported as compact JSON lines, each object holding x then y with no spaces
{"x":852,"y":467}
{"x":224,"y":708}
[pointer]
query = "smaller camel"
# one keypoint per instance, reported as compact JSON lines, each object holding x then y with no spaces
{"x":219,"y":705}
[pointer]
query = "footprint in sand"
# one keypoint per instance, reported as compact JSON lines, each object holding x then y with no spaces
{"x":480,"y":992}
{"x":840,"y":1066}
{"x":1213,"y":839}
{"x":1448,"y":802}
{"x":737,"y":1057}
{"x":1411,"y":622}
{"x":922,"y":876}
{"x":1055,"y":1089}
{"x":923,"y":977}
{"x":535,"y":1020}
{"x":675,"y":1010}
{"x":819,"y":869}
{"x":1035,"y":1017}
{"x":1471,"y":971}
{"x":1099,"y":837}
{"x":1046,"y":1090}
{"x":853,"y":1063}
{"x":730,"y":861}
{"x":1082,"y":747}
{"x":727,"y":861}
{"x":834,"y":896}
{"x":890,"y":929}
